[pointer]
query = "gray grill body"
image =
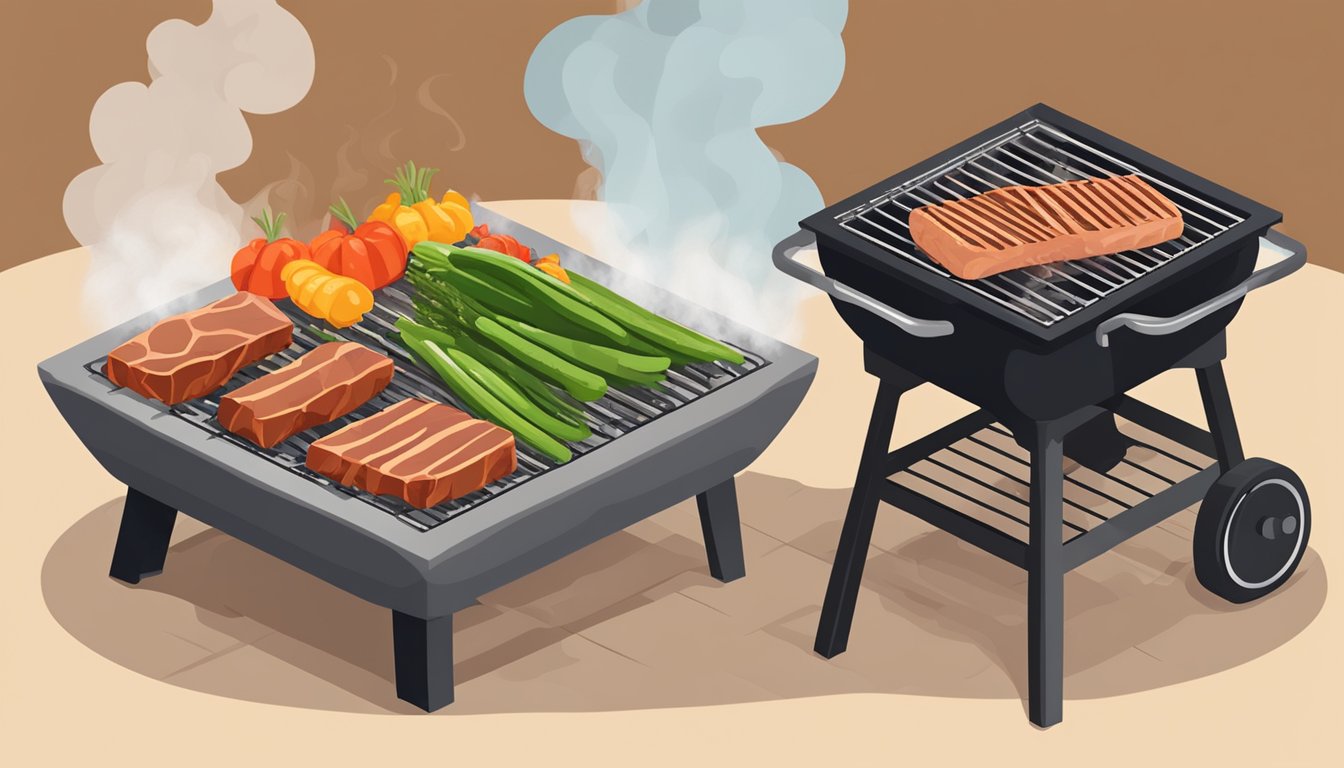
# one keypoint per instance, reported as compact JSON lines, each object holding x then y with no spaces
{"x":358,"y":545}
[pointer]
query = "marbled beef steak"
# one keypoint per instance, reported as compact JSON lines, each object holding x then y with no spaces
{"x":422,"y":452}
{"x":326,"y":383}
{"x":192,"y":354}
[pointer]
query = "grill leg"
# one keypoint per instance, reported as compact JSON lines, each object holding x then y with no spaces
{"x":837,"y":612}
{"x":142,"y":541}
{"x":722,"y":530}
{"x":423,"y":650}
{"x":1218,"y":412}
{"x":1045,"y":581}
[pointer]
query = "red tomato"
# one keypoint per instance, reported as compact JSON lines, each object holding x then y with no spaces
{"x":374,"y":254}
{"x":506,"y":245}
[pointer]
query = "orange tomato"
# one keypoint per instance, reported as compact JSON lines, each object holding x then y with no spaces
{"x":374,"y":254}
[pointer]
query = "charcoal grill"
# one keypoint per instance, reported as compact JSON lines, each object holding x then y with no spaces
{"x":1048,"y":354}
{"x":650,"y":449}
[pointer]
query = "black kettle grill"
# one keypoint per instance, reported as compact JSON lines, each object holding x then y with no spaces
{"x":1048,"y":354}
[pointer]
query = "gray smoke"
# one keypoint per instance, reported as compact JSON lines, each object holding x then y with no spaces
{"x":665,"y":100}
{"x":157,"y":222}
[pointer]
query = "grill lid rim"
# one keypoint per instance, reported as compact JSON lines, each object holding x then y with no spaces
{"x":1257,"y":218}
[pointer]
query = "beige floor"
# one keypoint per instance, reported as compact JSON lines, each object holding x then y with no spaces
{"x":629,"y":652}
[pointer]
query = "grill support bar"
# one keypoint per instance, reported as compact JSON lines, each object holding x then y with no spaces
{"x":1045,"y":578}
{"x":1045,"y":555}
{"x":1218,"y":412}
{"x":142,"y":539}
{"x":423,"y":651}
{"x":720,"y":525}
{"x":837,"y":612}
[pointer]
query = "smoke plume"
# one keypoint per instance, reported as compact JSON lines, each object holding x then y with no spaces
{"x":665,"y":100}
{"x":156,"y":220}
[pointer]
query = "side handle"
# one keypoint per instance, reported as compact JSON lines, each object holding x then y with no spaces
{"x":1294,"y":256}
{"x":784,"y":259}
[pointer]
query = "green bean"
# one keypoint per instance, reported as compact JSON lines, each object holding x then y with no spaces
{"x":453,"y":365}
{"x":539,"y":287}
{"x":656,"y":328}
{"x":604,"y":360}
{"x":582,"y":384}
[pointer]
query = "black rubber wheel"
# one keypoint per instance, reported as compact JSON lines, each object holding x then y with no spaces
{"x":1251,"y":531}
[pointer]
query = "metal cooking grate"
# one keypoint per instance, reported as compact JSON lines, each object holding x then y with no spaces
{"x":620,"y":411}
{"x":1031,"y":154}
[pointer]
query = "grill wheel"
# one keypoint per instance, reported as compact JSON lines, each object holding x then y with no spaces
{"x":1251,"y":531}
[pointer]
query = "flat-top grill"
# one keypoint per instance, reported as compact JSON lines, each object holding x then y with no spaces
{"x":650,"y":449}
{"x":1048,"y":353}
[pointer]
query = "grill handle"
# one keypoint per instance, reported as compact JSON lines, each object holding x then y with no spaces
{"x":1294,"y":256}
{"x":784,"y":259}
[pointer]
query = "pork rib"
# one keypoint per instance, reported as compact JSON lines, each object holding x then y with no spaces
{"x":326,"y":383}
{"x":423,"y":452}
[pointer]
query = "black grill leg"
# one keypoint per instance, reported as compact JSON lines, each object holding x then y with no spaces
{"x":142,"y":541}
{"x":722,"y":530}
{"x":837,"y":612}
{"x":423,"y":650}
{"x":1045,"y":581}
{"x":1218,"y":412}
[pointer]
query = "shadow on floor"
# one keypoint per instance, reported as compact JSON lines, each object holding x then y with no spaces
{"x":635,"y":621}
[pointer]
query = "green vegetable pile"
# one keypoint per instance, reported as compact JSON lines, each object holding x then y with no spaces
{"x":520,"y":347}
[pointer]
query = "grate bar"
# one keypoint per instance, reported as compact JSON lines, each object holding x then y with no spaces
{"x":963,"y":495}
{"x":975,"y":459}
{"x":1129,"y":168}
{"x":1068,"y":479}
{"x":994,"y":488}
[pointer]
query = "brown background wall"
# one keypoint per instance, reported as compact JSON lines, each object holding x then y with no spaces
{"x":1244,"y":93}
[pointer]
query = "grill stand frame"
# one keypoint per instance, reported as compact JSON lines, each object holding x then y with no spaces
{"x":1045,"y":556}
{"x":422,"y":648}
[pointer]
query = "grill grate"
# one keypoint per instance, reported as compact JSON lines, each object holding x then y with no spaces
{"x":1031,"y":154}
{"x":617,"y":413}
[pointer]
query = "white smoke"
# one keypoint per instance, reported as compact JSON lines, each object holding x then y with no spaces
{"x":665,"y":100}
{"x":155,"y":218}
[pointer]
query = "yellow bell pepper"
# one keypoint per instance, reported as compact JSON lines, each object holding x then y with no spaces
{"x":414,"y":213}
{"x":341,"y":301}
{"x":551,"y":266}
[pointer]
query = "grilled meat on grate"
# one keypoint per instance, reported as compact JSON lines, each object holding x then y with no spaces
{"x":419,"y":451}
{"x":1021,"y":226}
{"x":330,"y":381}
{"x":195,"y":353}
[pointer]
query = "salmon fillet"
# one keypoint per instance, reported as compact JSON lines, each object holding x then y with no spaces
{"x":324,"y":384}
{"x":423,"y":452}
{"x":192,"y":354}
{"x":1021,"y":226}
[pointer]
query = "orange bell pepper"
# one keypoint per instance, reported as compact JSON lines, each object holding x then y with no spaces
{"x":413,"y":213}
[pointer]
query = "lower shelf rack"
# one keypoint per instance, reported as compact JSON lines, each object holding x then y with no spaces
{"x":972,"y":479}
